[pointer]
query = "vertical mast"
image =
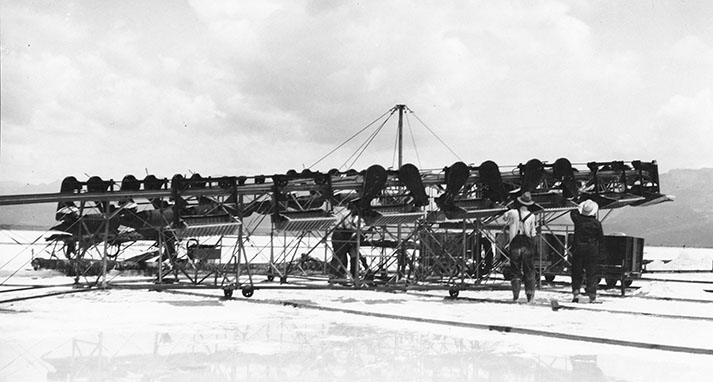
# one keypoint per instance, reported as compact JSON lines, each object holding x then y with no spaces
{"x":400,"y":133}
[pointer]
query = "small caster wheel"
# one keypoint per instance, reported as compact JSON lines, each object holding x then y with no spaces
{"x":453,"y":291}
{"x":227,"y":293}
{"x":610,"y":282}
{"x":248,"y":291}
{"x":283,"y":279}
{"x":270,"y":278}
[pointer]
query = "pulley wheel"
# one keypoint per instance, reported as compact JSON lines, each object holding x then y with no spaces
{"x":248,"y":291}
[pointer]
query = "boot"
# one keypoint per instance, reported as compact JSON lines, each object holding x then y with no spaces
{"x":530,"y":297}
{"x":592,"y":297}
{"x":575,"y":296}
{"x":515,"y":285}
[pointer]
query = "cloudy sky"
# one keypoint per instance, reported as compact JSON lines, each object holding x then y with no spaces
{"x":111,"y":88}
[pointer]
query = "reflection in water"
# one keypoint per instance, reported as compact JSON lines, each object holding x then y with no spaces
{"x":585,"y":369}
{"x":280,"y":350}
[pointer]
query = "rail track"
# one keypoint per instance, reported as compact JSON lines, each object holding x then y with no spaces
{"x":582,"y":307}
{"x":206,"y":293}
{"x":478,"y":326}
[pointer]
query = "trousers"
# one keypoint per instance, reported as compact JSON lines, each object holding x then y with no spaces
{"x":585,"y":260}
{"x":523,"y":267}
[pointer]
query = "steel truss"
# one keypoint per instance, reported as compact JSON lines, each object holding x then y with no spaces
{"x":401,"y":229}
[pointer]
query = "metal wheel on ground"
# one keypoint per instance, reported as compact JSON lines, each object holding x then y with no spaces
{"x":453,"y":291}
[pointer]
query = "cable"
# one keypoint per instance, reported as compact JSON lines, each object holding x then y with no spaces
{"x":371,"y":138}
{"x":434,"y":134}
{"x":351,"y":160}
{"x":396,"y":148}
{"x":360,"y":150}
{"x":18,"y":254}
{"x":352,"y":137}
{"x":413,"y":141}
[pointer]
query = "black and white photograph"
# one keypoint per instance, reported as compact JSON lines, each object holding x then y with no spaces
{"x":325,"y":190}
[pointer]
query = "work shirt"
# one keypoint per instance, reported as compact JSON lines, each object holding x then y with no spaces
{"x":587,"y":229}
{"x":520,"y":222}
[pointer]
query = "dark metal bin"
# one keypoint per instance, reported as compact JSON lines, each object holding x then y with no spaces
{"x":621,"y":259}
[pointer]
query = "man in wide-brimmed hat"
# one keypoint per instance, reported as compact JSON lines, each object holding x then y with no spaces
{"x":521,"y":230}
{"x":588,"y":237}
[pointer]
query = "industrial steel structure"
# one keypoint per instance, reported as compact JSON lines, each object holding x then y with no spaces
{"x":403,"y":228}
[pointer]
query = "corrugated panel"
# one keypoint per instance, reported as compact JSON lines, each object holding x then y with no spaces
{"x":306,"y":224}
{"x":301,"y":221}
{"x":396,"y":208}
{"x":224,"y":229}
{"x":484,"y":213}
{"x":394,"y":218}
{"x":192,"y":220}
{"x":559,"y":209}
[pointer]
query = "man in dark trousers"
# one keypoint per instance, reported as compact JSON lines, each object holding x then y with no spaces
{"x":521,"y":232}
{"x":588,"y":238}
{"x":342,"y":238}
{"x":344,"y":244}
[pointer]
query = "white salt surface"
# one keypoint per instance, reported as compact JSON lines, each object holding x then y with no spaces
{"x":140,"y":335}
{"x":143,"y":335}
{"x":679,"y":258}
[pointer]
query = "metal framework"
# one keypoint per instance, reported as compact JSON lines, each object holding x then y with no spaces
{"x":397,"y":238}
{"x":404,"y":228}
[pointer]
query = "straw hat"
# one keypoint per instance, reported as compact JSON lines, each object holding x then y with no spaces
{"x":525,"y":199}
{"x":588,"y":207}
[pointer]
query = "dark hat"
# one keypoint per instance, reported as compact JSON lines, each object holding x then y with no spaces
{"x":525,"y":199}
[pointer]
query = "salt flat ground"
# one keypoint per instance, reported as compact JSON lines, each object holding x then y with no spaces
{"x":300,"y":335}
{"x":359,"y":335}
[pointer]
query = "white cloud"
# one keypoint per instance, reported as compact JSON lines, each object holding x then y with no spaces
{"x":693,"y":49}
{"x":228,"y":77}
{"x":684,"y":129}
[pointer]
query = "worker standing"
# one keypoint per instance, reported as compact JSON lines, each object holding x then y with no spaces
{"x":588,"y":238}
{"x":521,"y":230}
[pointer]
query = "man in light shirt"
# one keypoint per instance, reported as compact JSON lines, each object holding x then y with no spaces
{"x":521,"y":232}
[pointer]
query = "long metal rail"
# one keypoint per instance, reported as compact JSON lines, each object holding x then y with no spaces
{"x":296,"y":184}
{"x":485,"y":326}
{"x":473,"y":210}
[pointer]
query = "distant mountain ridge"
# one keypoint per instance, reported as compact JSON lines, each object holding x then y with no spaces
{"x":686,"y":221}
{"x":30,"y":216}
